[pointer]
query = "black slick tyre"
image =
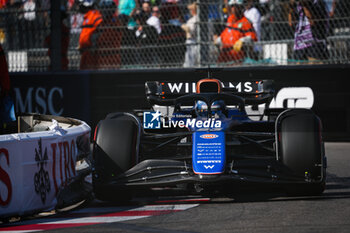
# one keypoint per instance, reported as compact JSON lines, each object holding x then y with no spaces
{"x":300,"y":149}
{"x":114,"y":153}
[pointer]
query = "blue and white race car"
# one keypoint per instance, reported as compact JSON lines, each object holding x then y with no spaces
{"x":206,"y":139}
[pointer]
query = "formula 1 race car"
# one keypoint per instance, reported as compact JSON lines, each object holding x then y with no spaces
{"x":200,"y":135}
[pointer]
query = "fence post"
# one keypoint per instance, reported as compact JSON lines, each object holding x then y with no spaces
{"x":56,"y":34}
{"x":203,"y":6}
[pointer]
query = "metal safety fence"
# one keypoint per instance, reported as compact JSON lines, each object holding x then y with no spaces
{"x":173,"y":34}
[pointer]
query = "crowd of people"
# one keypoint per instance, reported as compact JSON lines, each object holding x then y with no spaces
{"x":153,"y":32}
{"x":310,"y":20}
{"x":129,"y":32}
{"x":25,"y":22}
{"x":115,"y":33}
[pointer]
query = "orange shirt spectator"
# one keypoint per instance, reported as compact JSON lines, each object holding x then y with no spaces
{"x":231,"y":20}
{"x":226,"y":34}
{"x":237,"y":37}
{"x":239,"y":30}
{"x":92,"y":19}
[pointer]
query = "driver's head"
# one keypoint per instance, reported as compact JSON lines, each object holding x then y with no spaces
{"x":238,"y":8}
{"x":217,"y":108}
{"x":201,"y":108}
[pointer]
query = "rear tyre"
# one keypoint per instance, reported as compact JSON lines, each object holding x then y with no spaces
{"x":114,"y":153}
{"x":301,"y":150}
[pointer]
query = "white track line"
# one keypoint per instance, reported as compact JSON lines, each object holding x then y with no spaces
{"x":102,"y":215}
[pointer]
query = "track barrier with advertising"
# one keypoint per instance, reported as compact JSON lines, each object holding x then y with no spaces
{"x":91,"y":95}
{"x":36,"y":166}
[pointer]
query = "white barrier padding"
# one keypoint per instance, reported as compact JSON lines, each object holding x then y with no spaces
{"x":17,"y":61}
{"x":35,"y":166}
{"x":276,"y":52}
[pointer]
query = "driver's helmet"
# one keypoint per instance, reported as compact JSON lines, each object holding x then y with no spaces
{"x":217,"y":108}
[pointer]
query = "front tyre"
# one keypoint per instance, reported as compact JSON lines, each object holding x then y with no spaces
{"x":301,"y":150}
{"x":114,"y":153}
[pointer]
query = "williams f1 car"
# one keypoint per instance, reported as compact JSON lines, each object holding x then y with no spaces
{"x":205,"y":138}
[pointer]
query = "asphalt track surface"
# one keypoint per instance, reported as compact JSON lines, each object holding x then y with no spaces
{"x":255,"y":210}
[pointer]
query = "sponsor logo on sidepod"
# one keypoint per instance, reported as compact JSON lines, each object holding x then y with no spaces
{"x":209,"y":136}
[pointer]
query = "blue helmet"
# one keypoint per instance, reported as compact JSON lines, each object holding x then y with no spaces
{"x":201,"y":108}
{"x":217,"y":107}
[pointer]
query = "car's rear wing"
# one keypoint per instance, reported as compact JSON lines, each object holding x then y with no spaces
{"x":253,"y":92}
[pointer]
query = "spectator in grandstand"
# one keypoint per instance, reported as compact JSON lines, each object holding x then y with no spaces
{"x":237,"y":40}
{"x":229,"y":19}
{"x":14,"y":39}
{"x":30,"y":23}
{"x":128,"y":8}
{"x":220,"y":24}
{"x":146,"y":8}
{"x":340,"y":14}
{"x":45,"y":6}
{"x":146,"y":36}
{"x":29,"y":7}
{"x":190,"y":27}
{"x":70,"y":4}
{"x":311,"y":29}
{"x":171,"y":13}
{"x":264,"y":7}
{"x":76,"y":18}
{"x":64,"y":42}
{"x":108,"y":38}
{"x":227,"y":7}
{"x":7,"y":112}
{"x":92,"y":18}
{"x":154,"y":19}
{"x":253,"y":15}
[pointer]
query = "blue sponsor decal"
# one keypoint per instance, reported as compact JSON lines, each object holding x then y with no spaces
{"x":208,"y":152}
{"x":151,"y":120}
